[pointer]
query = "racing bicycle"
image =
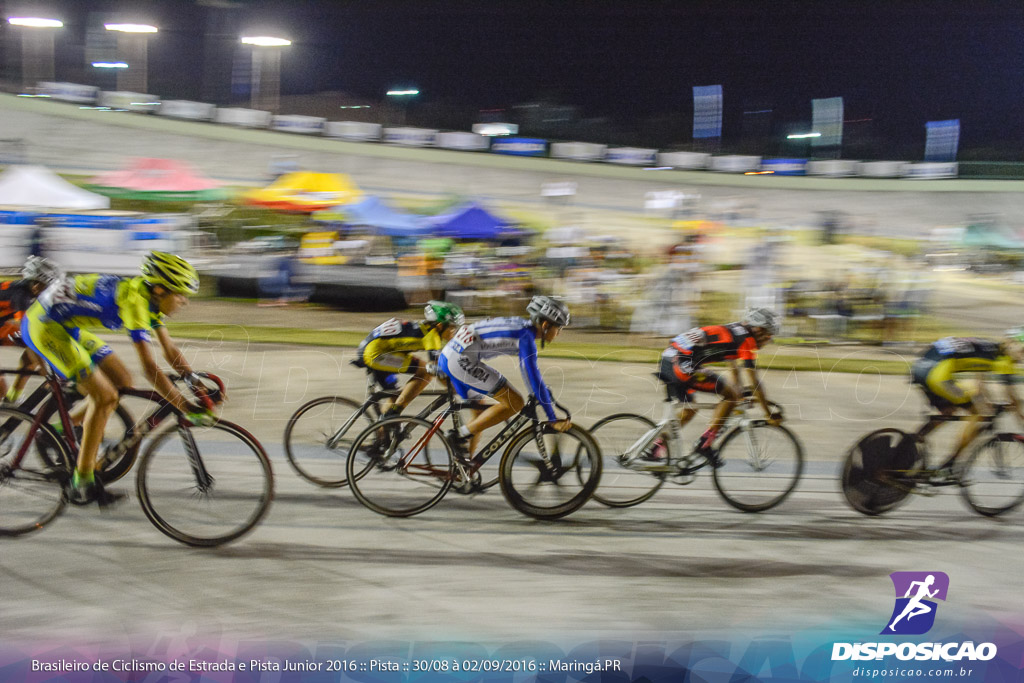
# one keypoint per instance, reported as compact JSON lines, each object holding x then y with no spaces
{"x":884,"y":467}
{"x":754,"y":465}
{"x":543,"y":473}
{"x":202,"y":486}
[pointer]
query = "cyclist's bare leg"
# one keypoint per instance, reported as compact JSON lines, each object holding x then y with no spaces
{"x":416,"y":384}
{"x":102,"y":401}
{"x":730,"y":397}
{"x":686,"y":414}
{"x":119,"y":375}
{"x":509,"y":402}
{"x":970,"y":427}
{"x":28,"y":361}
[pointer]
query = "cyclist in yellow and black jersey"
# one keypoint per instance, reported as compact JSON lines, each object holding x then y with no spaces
{"x":935,"y":372}
{"x":388,"y":350}
{"x":54,"y":328}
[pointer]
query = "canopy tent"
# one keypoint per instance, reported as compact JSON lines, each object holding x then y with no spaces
{"x":472,"y":221}
{"x":40,"y":187}
{"x":990,"y":235}
{"x":163,"y":180}
{"x":305,"y":192}
{"x":372,"y":211}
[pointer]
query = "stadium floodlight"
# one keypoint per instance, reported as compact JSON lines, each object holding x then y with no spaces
{"x":266,"y":41}
{"x":801,"y":136}
{"x":131,"y":28}
{"x":110,"y":65}
{"x":35,"y":22}
{"x":400,"y":93}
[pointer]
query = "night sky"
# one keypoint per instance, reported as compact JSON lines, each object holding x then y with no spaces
{"x":899,"y":63}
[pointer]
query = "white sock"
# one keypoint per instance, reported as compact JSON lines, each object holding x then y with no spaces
{"x":464,"y":431}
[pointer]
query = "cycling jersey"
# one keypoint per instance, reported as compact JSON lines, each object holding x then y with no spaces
{"x":462,"y":358}
{"x":388,"y":349}
{"x":934,"y":370}
{"x":712,"y":344}
{"x":53,"y":325}
{"x":15,"y":298}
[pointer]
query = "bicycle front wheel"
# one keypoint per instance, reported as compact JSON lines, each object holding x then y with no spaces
{"x":205,"y":486}
{"x":992,"y":481}
{"x":400,"y":467}
{"x":627,"y":479}
{"x":553,"y":478}
{"x":35,"y":467}
{"x":761,"y":465}
{"x":319,"y":435}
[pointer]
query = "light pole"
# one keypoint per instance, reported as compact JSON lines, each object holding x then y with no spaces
{"x":403,"y":96}
{"x":266,"y":71}
{"x":36,"y":48}
{"x":133,"y":49}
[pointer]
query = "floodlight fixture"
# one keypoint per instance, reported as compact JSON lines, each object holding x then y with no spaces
{"x":131,"y":28}
{"x":35,"y":22}
{"x":266,"y":41}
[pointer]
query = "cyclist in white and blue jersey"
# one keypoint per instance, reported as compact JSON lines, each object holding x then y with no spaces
{"x":462,"y":360}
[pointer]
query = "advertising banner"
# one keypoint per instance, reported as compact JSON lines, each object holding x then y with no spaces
{"x":294,"y":123}
{"x":688,"y":160}
{"x":785,"y":166}
{"x":69,"y":92}
{"x":833,"y":168}
{"x":130,"y":101}
{"x":578,"y":151}
{"x":942,"y":141}
{"x":932,"y":170}
{"x":243,"y":118}
{"x":734,"y":163}
{"x":707,"y":111}
{"x":522,"y":147}
{"x":411,"y":137}
{"x":631,"y":156}
{"x":353,"y":130}
{"x":186,"y":109}
{"x":463,"y":141}
{"x":827,"y":120}
{"x":882,"y":169}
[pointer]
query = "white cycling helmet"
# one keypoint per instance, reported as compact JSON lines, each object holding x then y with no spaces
{"x":41,"y":270}
{"x":550,"y":309}
{"x":764,"y":318}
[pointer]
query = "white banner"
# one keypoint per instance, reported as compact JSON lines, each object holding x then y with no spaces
{"x":827,"y":120}
{"x":734,"y":163}
{"x":132,"y":101}
{"x":293,"y":123}
{"x":580,"y":151}
{"x":415,"y":137}
{"x":633,"y":156}
{"x":244,"y":118}
{"x":353,"y":130}
{"x":833,"y":168}
{"x":461,"y":140}
{"x":881,"y":169}
{"x":69,"y":92}
{"x":684,"y":159}
{"x":186,"y":109}
{"x":932,"y":169}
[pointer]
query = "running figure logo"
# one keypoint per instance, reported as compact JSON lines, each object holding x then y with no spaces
{"x":916,"y":592}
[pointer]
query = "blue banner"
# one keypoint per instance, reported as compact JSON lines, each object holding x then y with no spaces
{"x":522,"y":147}
{"x":785,"y":166}
{"x":707,"y":111}
{"x":943,"y":139}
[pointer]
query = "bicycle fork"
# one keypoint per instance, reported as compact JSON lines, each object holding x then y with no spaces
{"x":204,"y":481}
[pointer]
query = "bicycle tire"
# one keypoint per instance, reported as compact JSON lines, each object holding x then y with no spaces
{"x":173,"y":499}
{"x":623,"y":486}
{"x":308,"y":432}
{"x":992,"y":479}
{"x":861,"y":481}
{"x":523,"y":477}
{"x":386,"y":480}
{"x":750,"y":489}
{"x":39,"y":481}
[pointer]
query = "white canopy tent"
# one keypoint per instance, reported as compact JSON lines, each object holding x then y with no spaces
{"x":36,"y":186}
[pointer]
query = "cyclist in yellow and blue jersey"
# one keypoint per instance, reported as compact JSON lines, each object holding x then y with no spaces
{"x":935,"y":372}
{"x":388,"y":350}
{"x":55,"y":328}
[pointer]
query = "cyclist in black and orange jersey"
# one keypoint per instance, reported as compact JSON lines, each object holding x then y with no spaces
{"x":935,"y":373}
{"x":15,"y":298}
{"x":387,"y":351}
{"x":681,"y":369}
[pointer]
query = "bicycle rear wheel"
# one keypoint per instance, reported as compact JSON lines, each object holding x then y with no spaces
{"x":205,"y":486}
{"x":992,"y":480}
{"x":864,"y":481}
{"x":32,"y":492}
{"x":319,"y":435}
{"x":399,"y":468}
{"x":625,"y":485}
{"x":761,"y":465}
{"x":552,"y":482}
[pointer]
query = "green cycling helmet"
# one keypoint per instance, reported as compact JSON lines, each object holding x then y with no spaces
{"x":443,"y":313}
{"x":170,"y":271}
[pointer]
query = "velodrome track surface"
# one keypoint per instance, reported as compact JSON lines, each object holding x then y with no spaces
{"x":322,"y":567}
{"x":608,"y":198}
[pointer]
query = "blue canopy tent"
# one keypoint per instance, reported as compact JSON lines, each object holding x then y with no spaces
{"x":375,"y":213}
{"x":473,"y":222}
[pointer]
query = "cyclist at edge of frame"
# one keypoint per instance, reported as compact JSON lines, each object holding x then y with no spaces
{"x":387,"y":351}
{"x":54,"y":328}
{"x":462,"y":360}
{"x":680,"y":369}
{"x":16,"y":296}
{"x":934,"y":372}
